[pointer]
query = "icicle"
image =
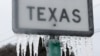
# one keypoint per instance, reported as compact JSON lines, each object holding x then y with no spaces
{"x":67,"y":50}
{"x":18,"y":49}
{"x":63,"y":53}
{"x":79,"y":46}
{"x":27,"y":50}
{"x":32,"y":49}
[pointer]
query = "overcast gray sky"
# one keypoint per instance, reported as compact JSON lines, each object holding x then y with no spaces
{"x":6,"y":23}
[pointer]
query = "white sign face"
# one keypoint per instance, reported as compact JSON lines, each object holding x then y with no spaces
{"x":60,"y":17}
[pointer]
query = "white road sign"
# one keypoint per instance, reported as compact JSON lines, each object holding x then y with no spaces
{"x":58,"y":17}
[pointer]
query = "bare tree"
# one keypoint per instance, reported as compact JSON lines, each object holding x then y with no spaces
{"x":8,"y":50}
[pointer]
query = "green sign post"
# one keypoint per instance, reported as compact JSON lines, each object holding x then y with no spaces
{"x":54,"y":48}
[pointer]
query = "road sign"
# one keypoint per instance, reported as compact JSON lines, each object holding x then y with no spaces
{"x":57,"y":17}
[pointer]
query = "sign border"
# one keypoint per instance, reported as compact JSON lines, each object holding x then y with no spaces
{"x":16,"y":28}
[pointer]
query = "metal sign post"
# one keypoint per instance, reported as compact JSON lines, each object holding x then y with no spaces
{"x":54,"y":47}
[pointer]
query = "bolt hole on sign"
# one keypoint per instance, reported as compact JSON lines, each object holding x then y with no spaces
{"x":53,"y":17}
